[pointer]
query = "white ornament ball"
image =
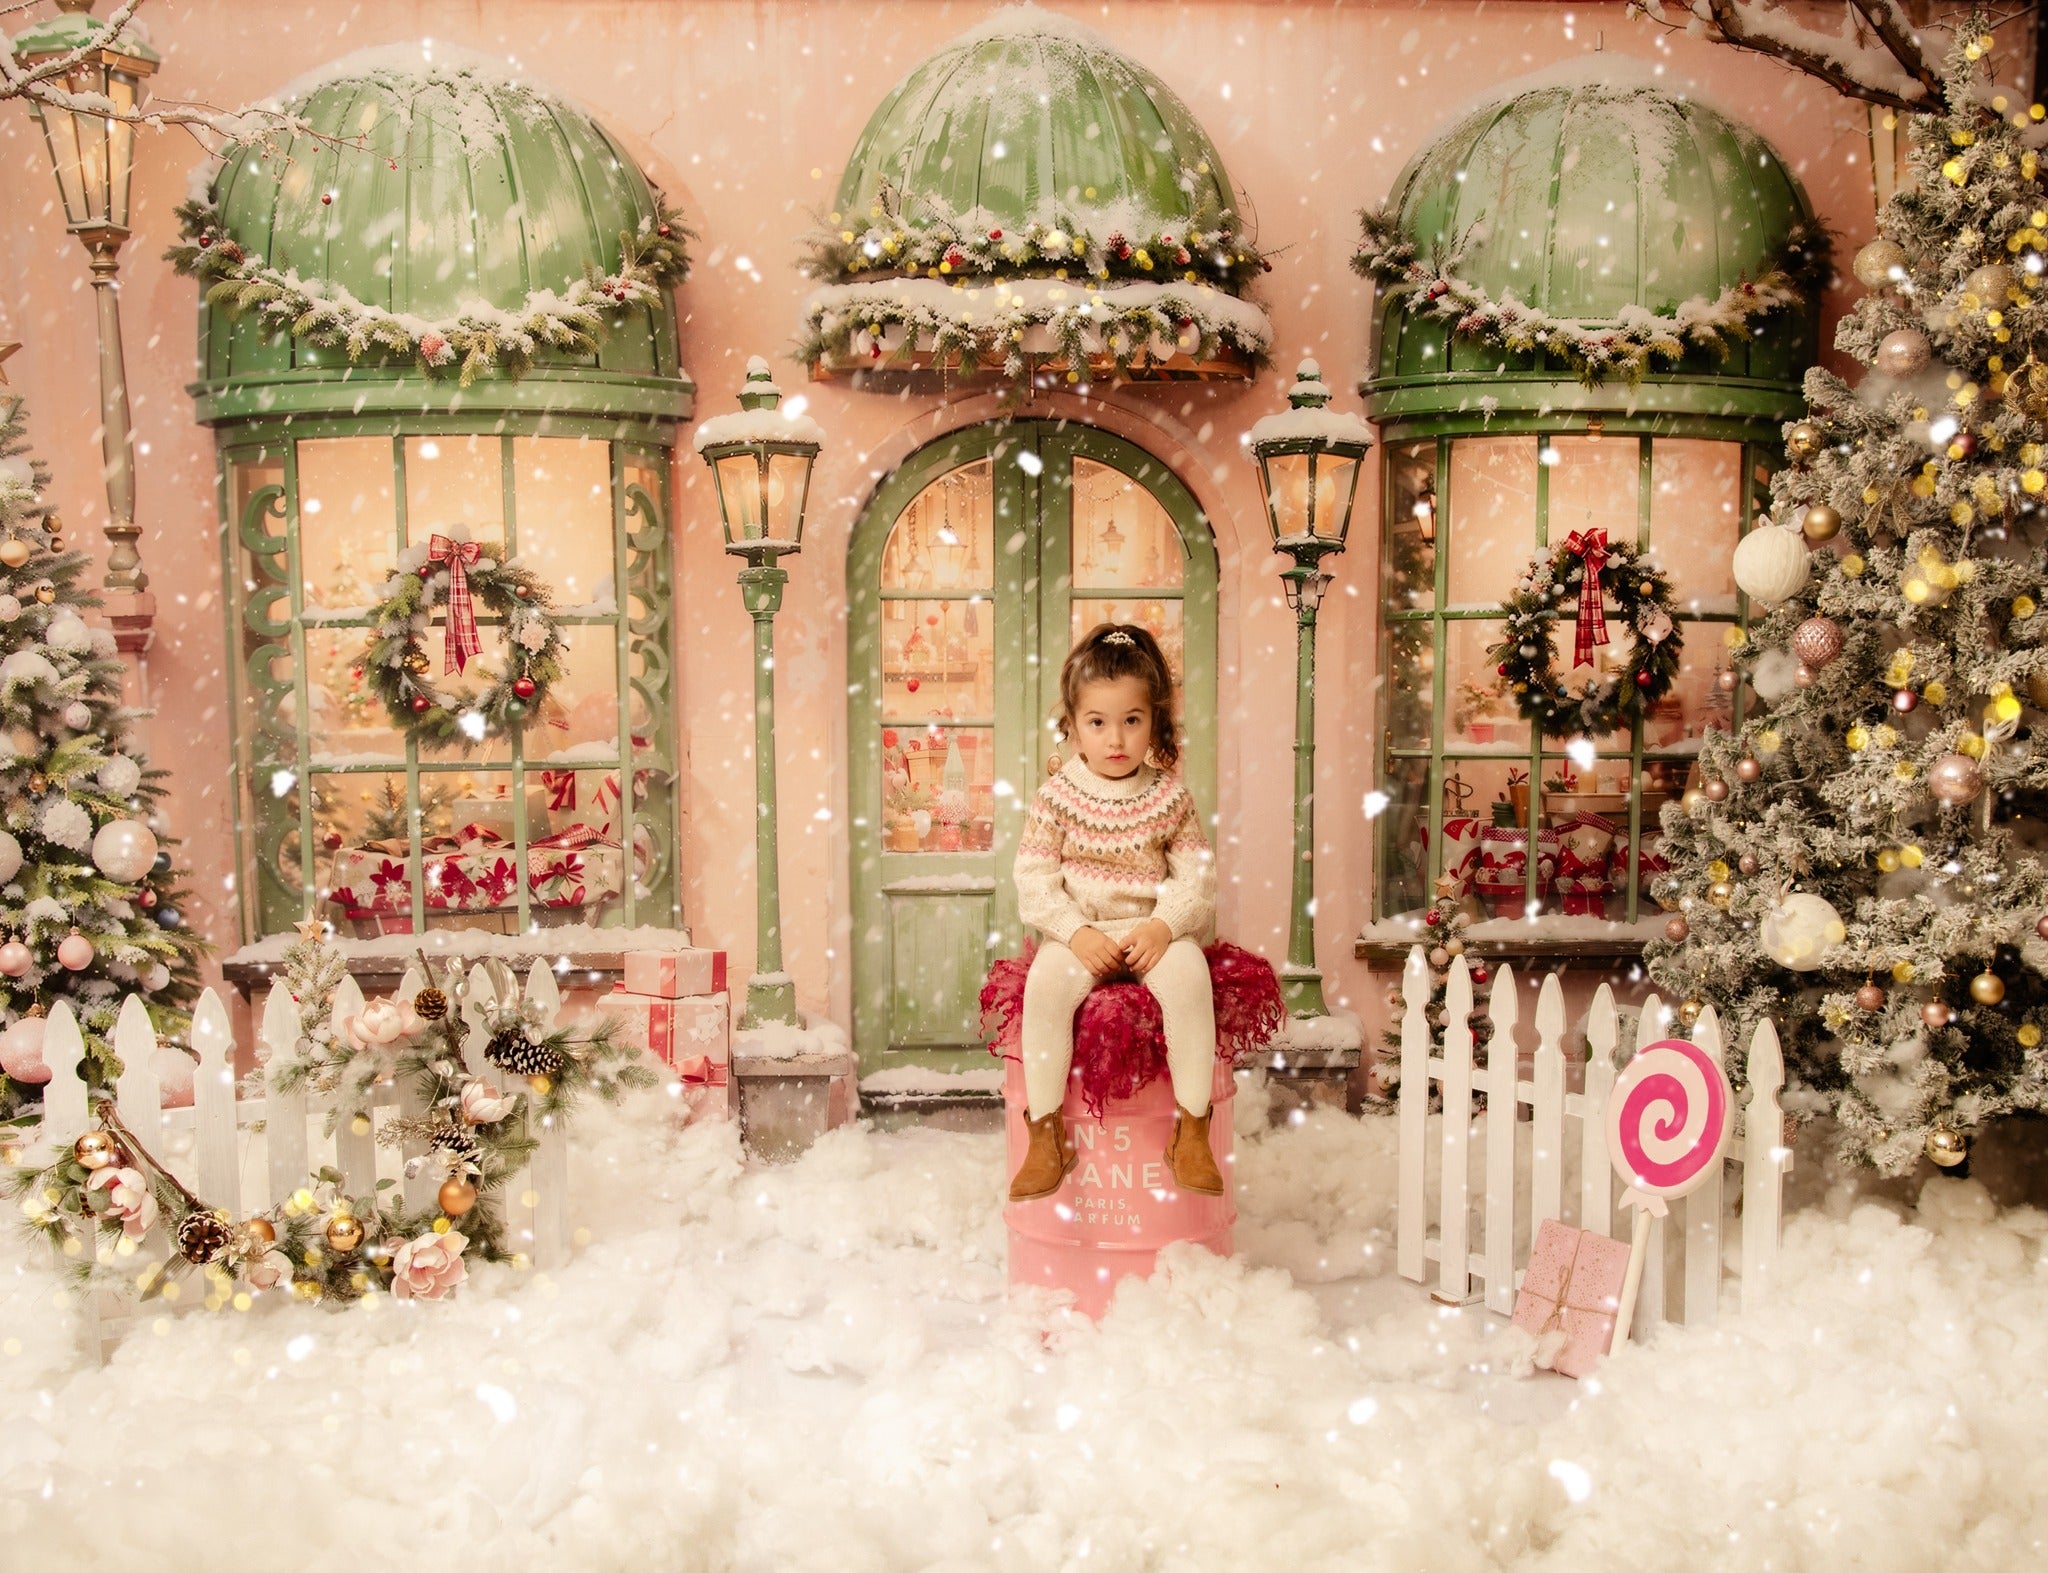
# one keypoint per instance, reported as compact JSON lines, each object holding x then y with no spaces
{"x":1874,"y":263}
{"x":120,"y":775}
{"x":123,"y":850}
{"x":68,"y":631}
{"x":21,"y":1050}
{"x":1772,"y":565}
{"x":10,"y":608}
{"x":10,"y":856}
{"x":78,"y":716}
{"x":1903,"y":354}
{"x":66,"y":823}
{"x":174,"y":1069}
{"x":157,"y":978}
{"x":1800,"y":930}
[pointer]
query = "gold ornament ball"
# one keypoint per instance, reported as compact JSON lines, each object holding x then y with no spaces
{"x":46,"y":593}
{"x":1991,"y":284}
{"x":38,"y":783}
{"x":456,"y":1196}
{"x":1874,"y":263}
{"x":1692,"y":800}
{"x":416,"y":661}
{"x":95,"y":1150}
{"x":1987,"y":988}
{"x":1954,"y":779}
{"x":1455,"y":946}
{"x":261,"y":1229}
{"x":1689,"y":1013}
{"x":430,"y":1004}
{"x":1720,"y":893}
{"x":1822,"y":523}
{"x":1946,"y":1147}
{"x":344,"y":1233}
{"x":1803,"y":441}
{"x":14,"y":551}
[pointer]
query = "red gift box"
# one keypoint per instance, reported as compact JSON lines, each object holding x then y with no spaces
{"x":675,"y":974}
{"x":673,"y":1030}
{"x":1573,"y":1288}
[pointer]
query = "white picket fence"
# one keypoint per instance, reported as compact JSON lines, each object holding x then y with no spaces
{"x":249,"y":1155}
{"x":1515,"y":1201}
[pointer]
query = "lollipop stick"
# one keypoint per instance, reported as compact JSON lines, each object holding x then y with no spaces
{"x":1632,"y":1280}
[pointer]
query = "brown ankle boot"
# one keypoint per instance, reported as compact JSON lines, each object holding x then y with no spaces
{"x":1188,"y":1155}
{"x":1046,"y":1160}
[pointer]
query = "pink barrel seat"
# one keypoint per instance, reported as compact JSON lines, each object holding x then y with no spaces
{"x":1118,"y":1208}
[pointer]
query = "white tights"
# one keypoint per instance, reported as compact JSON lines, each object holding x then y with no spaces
{"x":1054,"y":989}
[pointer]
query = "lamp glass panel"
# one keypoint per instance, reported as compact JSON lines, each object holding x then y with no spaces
{"x":789,"y":476}
{"x":739,"y":496}
{"x":121,"y":89}
{"x":1336,"y":476}
{"x":1122,"y":537}
{"x":1287,"y":482}
{"x":1696,"y":519}
{"x":1487,"y":521}
{"x":61,"y":130}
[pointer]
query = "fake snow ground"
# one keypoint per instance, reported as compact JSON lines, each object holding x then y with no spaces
{"x":817,"y":1367}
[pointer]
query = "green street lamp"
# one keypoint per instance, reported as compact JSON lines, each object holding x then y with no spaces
{"x":94,"y":156}
{"x":1309,"y":457}
{"x":761,"y":459}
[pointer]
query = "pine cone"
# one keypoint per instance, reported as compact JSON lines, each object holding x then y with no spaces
{"x":430,"y":1004}
{"x":513,"y":1052}
{"x":202,"y":1237}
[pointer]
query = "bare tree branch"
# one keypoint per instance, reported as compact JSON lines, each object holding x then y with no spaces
{"x":1733,"y":20}
{"x":1894,"y":31}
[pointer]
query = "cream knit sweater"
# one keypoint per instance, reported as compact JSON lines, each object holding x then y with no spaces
{"x":1096,"y":851}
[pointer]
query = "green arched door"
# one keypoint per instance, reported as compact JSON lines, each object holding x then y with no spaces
{"x":971,"y":573}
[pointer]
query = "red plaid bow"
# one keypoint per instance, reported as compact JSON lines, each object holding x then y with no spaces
{"x":1590,"y":547}
{"x":463,"y":640}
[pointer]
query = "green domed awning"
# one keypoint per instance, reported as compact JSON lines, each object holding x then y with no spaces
{"x":1029,"y":199}
{"x":437,"y":191}
{"x":1030,"y":118}
{"x":1604,"y":205}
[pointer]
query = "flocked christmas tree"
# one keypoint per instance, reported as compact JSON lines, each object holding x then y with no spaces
{"x":89,"y":909}
{"x":1861,"y":862}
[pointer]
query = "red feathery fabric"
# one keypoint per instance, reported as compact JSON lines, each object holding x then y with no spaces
{"x":462,"y":640}
{"x":1119,"y":1038}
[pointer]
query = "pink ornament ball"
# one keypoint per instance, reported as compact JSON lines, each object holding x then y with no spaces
{"x":2041,"y":925}
{"x":75,"y":951}
{"x":16,"y":958}
{"x":1817,"y":641}
{"x":21,"y":1051}
{"x":1676,"y":929}
{"x":1716,"y":790}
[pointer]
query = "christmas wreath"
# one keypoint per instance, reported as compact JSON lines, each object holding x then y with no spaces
{"x":1587,"y":569}
{"x":461,"y":574}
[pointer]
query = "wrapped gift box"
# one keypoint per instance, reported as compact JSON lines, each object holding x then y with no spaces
{"x":493,"y":815}
{"x":474,"y":873}
{"x":675,"y":974}
{"x":1572,"y":1287}
{"x":708,"y":1092}
{"x":673,"y":1030}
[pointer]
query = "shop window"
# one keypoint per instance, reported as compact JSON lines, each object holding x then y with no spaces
{"x":569,"y":819}
{"x":1469,"y":788}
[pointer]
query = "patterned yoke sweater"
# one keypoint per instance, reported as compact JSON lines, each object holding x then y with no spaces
{"x":1096,"y":851}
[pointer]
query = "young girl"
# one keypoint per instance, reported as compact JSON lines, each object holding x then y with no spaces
{"x":1115,"y":874}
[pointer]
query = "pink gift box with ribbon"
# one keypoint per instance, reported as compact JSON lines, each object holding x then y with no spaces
{"x":675,"y":974}
{"x":707,"y":1087}
{"x":1571,"y":1292}
{"x":672,"y":1030}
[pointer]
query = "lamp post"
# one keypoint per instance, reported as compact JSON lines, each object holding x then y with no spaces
{"x":1308,"y":458}
{"x":761,"y":459}
{"x":94,"y":158}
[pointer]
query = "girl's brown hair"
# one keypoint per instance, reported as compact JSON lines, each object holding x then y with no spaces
{"x":1117,"y":650}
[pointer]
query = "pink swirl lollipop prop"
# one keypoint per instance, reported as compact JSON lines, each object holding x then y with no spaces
{"x":1668,"y":1122}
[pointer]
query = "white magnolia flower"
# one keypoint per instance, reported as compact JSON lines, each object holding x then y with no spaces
{"x":66,"y":824}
